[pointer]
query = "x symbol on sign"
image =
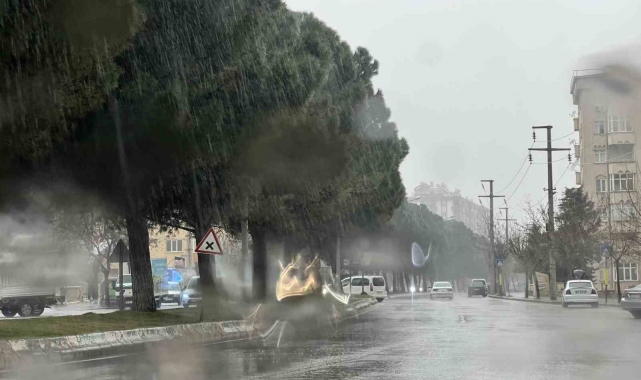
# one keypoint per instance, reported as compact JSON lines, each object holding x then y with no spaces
{"x":210,"y":245}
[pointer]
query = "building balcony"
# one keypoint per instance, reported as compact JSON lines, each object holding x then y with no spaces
{"x":576,"y":124}
{"x":578,"y":178}
{"x":577,"y":151}
{"x":621,"y":138}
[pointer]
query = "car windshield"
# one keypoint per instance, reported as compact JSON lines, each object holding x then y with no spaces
{"x":572,"y":285}
{"x":319,"y":165}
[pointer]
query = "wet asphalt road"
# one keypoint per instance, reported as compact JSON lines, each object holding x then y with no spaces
{"x":477,"y":338}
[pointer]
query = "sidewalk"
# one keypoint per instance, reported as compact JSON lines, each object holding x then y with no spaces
{"x":611,"y":301}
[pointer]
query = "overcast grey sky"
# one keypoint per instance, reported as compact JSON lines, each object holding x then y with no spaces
{"x":466,"y":80}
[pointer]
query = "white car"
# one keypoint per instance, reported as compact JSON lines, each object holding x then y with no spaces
{"x":442,"y":289}
{"x":371,"y":285}
{"x":578,"y":292}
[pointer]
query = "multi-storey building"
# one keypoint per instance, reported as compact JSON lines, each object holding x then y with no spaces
{"x":450,"y":205}
{"x":608,"y":120}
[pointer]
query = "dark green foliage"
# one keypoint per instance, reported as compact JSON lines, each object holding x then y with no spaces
{"x":575,"y":238}
{"x":57,"y":59}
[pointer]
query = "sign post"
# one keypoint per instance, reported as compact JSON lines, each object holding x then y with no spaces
{"x":122,"y":253}
{"x":209,"y":244}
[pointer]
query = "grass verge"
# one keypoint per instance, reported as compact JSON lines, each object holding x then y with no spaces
{"x":119,"y":320}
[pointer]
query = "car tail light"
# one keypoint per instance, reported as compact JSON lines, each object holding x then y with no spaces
{"x":568,"y":291}
{"x":371,"y":287}
{"x":593,"y":291}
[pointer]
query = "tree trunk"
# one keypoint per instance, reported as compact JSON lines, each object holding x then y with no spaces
{"x":527,"y":284}
{"x":245,"y":260}
{"x":259,"y":280}
{"x":105,"y":288}
{"x":537,"y":292}
{"x":386,"y":284}
{"x":616,"y":262}
{"x":140,"y":262}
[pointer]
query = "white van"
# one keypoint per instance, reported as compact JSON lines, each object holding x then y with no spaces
{"x":372,"y":285}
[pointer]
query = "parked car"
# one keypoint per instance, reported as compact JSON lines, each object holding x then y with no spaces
{"x":191,"y":294}
{"x":372,"y":285}
{"x":477,"y":288}
{"x":442,"y":290}
{"x":173,"y":294}
{"x":578,"y":292}
{"x":631,"y":301}
{"x":127,"y":294}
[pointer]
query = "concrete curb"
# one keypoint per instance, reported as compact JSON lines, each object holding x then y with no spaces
{"x":24,"y":352}
{"x":543,"y":302}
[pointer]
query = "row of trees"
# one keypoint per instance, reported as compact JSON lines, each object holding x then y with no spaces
{"x":583,"y":226}
{"x":188,"y":114}
{"x":455,"y":252}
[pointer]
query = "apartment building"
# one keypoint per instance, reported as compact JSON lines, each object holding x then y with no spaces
{"x":450,"y":205}
{"x":608,"y":120}
{"x":176,"y":247}
{"x":175,"y":250}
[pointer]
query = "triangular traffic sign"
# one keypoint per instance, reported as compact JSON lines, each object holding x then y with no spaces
{"x":210,"y":244}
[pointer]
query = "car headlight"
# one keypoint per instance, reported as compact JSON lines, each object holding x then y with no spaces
{"x":420,"y":289}
{"x":185,"y":297}
{"x":412,"y":289}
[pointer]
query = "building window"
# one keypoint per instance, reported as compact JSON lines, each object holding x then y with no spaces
{"x":599,"y":127}
{"x":621,"y":152}
{"x":622,"y":182}
{"x":619,"y":124}
{"x":599,"y":156}
{"x":623,"y":211}
{"x":629,"y":272}
{"x":600,"y":185}
{"x":174,"y":245}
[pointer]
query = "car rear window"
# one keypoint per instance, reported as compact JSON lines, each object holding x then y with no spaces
{"x":378,"y":281}
{"x":442,"y":285}
{"x":579,"y":285}
{"x":360,"y":282}
{"x":478,"y":283}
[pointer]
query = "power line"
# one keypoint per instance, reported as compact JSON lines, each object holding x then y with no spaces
{"x":520,"y":182}
{"x":562,"y":137}
{"x":561,"y":177}
{"x":517,"y":172}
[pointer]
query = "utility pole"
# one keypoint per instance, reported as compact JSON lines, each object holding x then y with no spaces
{"x":492,"y":196}
{"x":507,"y":235}
{"x":550,"y":189}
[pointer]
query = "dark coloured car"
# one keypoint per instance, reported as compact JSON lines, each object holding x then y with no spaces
{"x":477,"y":288}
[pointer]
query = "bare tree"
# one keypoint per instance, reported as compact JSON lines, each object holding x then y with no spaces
{"x":97,"y":231}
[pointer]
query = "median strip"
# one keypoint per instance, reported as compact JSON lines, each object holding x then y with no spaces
{"x":175,"y":326}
